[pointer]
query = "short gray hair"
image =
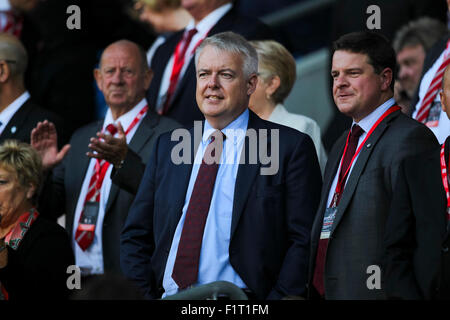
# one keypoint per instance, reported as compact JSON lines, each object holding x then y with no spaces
{"x":233,"y":43}
{"x":14,"y":53}
{"x":423,"y":31}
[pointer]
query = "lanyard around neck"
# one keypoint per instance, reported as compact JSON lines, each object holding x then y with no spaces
{"x":341,"y":182}
{"x":445,"y":179}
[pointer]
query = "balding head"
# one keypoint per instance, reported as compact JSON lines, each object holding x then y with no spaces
{"x":445,"y":92}
{"x":131,"y":48}
{"x":14,"y":54}
{"x":123,"y":76}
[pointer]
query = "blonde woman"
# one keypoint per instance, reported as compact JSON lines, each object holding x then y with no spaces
{"x":276,"y":77}
{"x":34,"y":252}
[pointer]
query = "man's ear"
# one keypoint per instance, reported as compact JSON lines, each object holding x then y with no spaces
{"x":443,"y":101}
{"x":5,"y":71}
{"x":386,"y":78}
{"x":251,"y":84}
{"x":148,"y":76}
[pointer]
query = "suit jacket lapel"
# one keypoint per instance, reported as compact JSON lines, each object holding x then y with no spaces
{"x":16,"y":121}
{"x":246,"y":174}
{"x":330,"y":173}
{"x":182,"y":174}
{"x":143,"y":133}
{"x":359,"y":166}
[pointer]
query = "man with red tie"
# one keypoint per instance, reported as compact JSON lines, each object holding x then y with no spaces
{"x":417,"y":237}
{"x":347,"y":235}
{"x":219,"y":215}
{"x":172,"y":91}
{"x":101,"y":154}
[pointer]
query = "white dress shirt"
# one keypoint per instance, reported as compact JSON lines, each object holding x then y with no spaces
{"x":442,"y":130}
{"x":203,"y":27}
{"x":9,"y":111}
{"x":91,"y":260}
{"x":5,"y":5}
{"x":214,"y":264}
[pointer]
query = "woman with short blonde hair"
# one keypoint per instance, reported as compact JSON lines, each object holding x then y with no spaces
{"x":276,"y":77}
{"x":34,"y":252}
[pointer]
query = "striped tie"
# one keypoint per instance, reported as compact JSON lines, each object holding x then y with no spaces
{"x":433,"y":89}
{"x":84,"y":234}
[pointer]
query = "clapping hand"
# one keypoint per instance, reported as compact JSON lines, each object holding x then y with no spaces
{"x":109,"y":148}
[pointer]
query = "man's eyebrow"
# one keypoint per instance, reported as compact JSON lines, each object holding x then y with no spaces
{"x":227,"y":70}
{"x":353,"y":69}
{"x":203,"y":70}
{"x":346,"y":70}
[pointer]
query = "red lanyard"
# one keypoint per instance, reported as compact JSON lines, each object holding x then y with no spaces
{"x":445,"y":179}
{"x":341,"y":182}
{"x":178,"y":62}
{"x":100,"y":170}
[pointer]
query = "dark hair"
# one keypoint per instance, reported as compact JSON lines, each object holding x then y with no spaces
{"x":380,"y":53}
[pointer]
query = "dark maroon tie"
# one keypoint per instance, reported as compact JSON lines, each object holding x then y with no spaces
{"x":323,"y":243}
{"x":185,"y":270}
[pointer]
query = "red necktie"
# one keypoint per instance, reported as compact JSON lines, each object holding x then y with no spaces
{"x":180,"y":52}
{"x":84,"y":234}
{"x":323,"y":243}
{"x":3,"y":292}
{"x":432,"y":91}
{"x":185,"y":270}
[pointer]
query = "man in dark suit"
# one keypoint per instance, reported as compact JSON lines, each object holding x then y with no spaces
{"x":417,"y":263}
{"x":172,"y":91}
{"x":347,"y":235}
{"x":84,"y":188}
{"x":404,"y":11}
{"x":253,"y":215}
{"x":18,"y":115}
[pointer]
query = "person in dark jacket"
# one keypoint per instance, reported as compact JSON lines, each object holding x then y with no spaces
{"x":34,"y":253}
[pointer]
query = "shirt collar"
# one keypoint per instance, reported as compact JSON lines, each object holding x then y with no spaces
{"x":367,"y":123}
{"x":240,"y":123}
{"x":210,"y":20}
{"x":14,"y":106}
{"x":126,"y":118}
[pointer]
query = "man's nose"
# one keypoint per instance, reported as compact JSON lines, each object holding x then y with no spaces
{"x":213,"y":81}
{"x":402,"y":72}
{"x":340,"y":81}
{"x":117,"y":77}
